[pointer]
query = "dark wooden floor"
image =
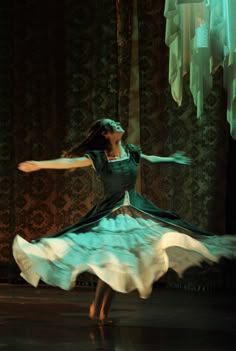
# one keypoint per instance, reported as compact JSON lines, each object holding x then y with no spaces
{"x":52,"y":319}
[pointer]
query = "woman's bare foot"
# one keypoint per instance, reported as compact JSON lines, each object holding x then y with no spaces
{"x":92,"y":313}
{"x":100,"y":320}
{"x":105,"y":321}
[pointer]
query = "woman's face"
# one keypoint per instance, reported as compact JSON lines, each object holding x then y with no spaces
{"x":116,"y":132}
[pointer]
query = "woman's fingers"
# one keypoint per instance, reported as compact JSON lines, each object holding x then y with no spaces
{"x":180,"y":157}
{"x":28,"y":166}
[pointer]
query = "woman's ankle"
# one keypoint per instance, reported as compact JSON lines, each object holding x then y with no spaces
{"x":103,"y":315}
{"x":93,"y":314}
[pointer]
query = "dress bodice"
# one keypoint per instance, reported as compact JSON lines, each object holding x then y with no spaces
{"x":117,"y":176}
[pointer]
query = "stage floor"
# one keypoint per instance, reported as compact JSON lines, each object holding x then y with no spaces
{"x":48,"y":319}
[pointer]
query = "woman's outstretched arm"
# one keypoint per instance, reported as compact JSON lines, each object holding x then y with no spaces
{"x":177,"y":157}
{"x":60,"y":163}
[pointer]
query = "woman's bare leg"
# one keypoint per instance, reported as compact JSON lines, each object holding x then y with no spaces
{"x":100,"y":307}
{"x":106,"y":303}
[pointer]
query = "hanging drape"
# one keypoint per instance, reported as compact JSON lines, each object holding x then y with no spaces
{"x":201,"y":35}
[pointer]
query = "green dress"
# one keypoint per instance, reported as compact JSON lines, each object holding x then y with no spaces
{"x":125,"y":239}
{"x":119,"y":179}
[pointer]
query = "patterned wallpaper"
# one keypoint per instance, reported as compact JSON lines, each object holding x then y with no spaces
{"x":69,"y":63}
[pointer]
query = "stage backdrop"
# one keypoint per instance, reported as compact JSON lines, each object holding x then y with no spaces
{"x":66,"y":63}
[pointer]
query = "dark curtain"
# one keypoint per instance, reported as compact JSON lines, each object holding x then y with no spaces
{"x":231,"y":188}
{"x":66,"y":63}
{"x":62,"y":67}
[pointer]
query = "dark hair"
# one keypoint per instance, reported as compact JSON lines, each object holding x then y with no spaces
{"x":95,"y":140}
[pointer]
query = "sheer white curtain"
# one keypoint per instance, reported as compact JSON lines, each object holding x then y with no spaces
{"x":201,"y":35}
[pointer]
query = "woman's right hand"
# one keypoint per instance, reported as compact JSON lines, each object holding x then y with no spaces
{"x":29,"y":166}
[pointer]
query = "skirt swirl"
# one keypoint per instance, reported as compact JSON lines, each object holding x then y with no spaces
{"x":128,"y":249}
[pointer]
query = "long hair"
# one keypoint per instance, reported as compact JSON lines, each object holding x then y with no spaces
{"x":95,"y":140}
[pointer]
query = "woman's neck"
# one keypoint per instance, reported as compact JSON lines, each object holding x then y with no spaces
{"x":116,"y":149}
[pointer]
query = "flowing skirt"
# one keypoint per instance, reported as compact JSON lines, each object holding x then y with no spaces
{"x":127,"y":249}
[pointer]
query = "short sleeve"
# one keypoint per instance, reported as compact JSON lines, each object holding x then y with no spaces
{"x":135,"y":152}
{"x":98,"y":160}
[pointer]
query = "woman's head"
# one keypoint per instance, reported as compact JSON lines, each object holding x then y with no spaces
{"x":100,"y":137}
{"x":109,"y":128}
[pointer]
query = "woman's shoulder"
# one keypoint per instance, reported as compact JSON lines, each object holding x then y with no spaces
{"x":133,"y":148}
{"x":134,"y":151}
{"x":95,"y":153}
{"x":98,"y":159}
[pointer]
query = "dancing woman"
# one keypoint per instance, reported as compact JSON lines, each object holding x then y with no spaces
{"x":125,"y":240}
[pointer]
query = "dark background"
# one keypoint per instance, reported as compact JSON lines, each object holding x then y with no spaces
{"x":66,"y":63}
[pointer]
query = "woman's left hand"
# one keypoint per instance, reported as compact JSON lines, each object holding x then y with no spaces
{"x":179,"y":157}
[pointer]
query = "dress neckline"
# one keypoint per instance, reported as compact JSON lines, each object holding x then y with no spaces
{"x":126,"y":157}
{"x":119,"y":159}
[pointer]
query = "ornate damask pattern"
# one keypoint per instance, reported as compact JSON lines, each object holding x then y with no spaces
{"x":91,"y":81}
{"x":124,"y":11}
{"x":6,"y":139}
{"x":65,"y":77}
{"x":66,"y":74}
{"x":38,"y":110}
